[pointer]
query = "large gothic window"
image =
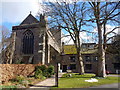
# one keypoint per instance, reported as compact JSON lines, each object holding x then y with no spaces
{"x":28,"y":42}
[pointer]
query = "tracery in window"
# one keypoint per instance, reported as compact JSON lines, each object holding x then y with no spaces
{"x":28,"y":42}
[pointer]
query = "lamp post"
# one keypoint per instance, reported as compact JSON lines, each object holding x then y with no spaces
{"x":56,"y":75}
{"x":56,"y":72}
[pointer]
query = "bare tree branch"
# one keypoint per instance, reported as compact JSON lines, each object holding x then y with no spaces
{"x":112,"y":30}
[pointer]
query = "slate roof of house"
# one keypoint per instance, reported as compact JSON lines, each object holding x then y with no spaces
{"x":70,"y":49}
{"x":29,"y":20}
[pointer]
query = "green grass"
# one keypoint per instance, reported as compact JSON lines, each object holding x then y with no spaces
{"x":8,"y":87}
{"x":78,"y":81}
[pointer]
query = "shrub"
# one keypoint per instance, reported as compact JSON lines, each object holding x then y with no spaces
{"x":45,"y":73}
{"x":38,"y":73}
{"x":43,"y":70}
{"x":25,"y":82}
{"x":50,"y":70}
{"x":19,"y":79}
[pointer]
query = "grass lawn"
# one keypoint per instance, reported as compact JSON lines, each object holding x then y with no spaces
{"x":9,"y":87}
{"x":78,"y":81}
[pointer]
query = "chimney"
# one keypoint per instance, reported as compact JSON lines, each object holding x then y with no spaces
{"x":62,"y":47}
{"x":42,"y":20}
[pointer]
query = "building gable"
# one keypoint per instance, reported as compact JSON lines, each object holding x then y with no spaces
{"x":29,"y":20}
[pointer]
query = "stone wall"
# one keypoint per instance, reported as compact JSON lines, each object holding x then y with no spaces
{"x":10,"y":71}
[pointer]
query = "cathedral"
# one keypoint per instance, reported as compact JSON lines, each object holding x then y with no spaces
{"x":35,"y":42}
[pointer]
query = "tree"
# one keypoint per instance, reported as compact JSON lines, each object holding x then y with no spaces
{"x":7,"y":46}
{"x":103,"y":12}
{"x":114,"y":48}
{"x":68,"y":17}
{"x":5,"y":34}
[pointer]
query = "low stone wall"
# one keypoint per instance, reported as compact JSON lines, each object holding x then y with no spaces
{"x":10,"y":71}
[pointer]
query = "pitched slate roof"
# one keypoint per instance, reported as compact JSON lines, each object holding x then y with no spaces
{"x":70,"y":49}
{"x":29,"y":20}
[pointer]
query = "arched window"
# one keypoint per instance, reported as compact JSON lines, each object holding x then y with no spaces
{"x":28,"y":42}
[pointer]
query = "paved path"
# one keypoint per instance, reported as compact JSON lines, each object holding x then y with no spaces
{"x":115,"y":85}
{"x":46,"y":84}
{"x":113,"y":75}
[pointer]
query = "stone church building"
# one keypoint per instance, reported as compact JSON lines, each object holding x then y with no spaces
{"x":35,"y":43}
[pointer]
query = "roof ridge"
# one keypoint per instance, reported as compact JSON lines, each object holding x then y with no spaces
{"x":29,"y":20}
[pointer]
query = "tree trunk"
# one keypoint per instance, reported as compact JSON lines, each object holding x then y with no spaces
{"x":101,"y":65}
{"x":101,"y":54}
{"x":79,"y":57}
{"x":12,"y":47}
{"x":80,"y":64}
{"x":104,"y":36}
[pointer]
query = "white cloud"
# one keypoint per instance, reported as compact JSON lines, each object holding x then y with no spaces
{"x":108,"y":29}
{"x":67,"y":40}
{"x":87,"y":38}
{"x":67,"y":1}
{"x":16,"y":10}
{"x":84,"y":37}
